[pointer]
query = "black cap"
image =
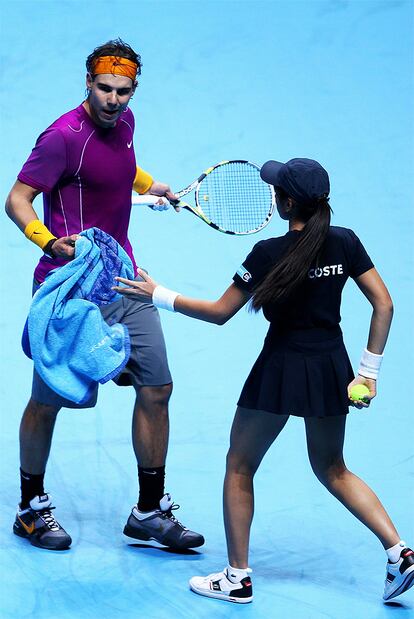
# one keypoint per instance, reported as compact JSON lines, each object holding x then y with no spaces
{"x":305,"y":180}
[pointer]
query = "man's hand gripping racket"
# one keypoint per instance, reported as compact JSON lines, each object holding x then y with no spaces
{"x":230,"y":197}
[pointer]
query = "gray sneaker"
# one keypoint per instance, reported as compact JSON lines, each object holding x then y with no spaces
{"x":161,"y":525}
{"x":38,"y":525}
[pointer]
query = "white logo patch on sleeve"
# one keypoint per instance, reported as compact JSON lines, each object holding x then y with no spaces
{"x":244,"y":274}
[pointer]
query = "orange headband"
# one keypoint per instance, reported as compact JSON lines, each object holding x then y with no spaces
{"x":115,"y":66}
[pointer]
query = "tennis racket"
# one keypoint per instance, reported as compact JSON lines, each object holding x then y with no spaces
{"x":230,"y":197}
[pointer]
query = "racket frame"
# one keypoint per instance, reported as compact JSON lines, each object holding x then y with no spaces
{"x":197,"y":209}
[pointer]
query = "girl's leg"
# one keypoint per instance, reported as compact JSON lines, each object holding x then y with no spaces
{"x":325,"y":438}
{"x":251,"y":436}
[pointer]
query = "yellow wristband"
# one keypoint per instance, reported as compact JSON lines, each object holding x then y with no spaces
{"x":142,"y":181}
{"x":37,"y":232}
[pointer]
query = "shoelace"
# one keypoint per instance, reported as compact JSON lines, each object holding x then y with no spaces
{"x":168,"y":514}
{"x":49,"y":519}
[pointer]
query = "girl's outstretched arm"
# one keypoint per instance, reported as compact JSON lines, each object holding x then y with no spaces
{"x":218,"y":312}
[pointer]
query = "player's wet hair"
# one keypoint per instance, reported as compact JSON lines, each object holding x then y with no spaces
{"x":116,"y":47}
{"x":291,"y":270}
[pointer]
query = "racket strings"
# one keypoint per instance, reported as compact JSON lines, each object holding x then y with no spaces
{"x":234,"y":197}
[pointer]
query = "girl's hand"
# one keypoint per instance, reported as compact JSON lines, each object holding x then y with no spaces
{"x":368,"y":382}
{"x":141,"y":290}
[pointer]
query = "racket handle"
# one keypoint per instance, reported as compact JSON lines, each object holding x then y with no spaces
{"x":151,"y":201}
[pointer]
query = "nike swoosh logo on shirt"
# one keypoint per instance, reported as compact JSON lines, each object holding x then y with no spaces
{"x":129,"y":144}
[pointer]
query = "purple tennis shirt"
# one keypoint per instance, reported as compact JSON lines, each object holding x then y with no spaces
{"x":86,"y":174}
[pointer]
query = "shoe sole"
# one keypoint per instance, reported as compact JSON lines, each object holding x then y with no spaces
{"x":21,"y":533}
{"x":404,"y":586}
{"x":218,"y":596}
{"x":132,"y":533}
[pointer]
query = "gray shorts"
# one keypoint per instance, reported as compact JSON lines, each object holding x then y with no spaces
{"x":147,"y":365}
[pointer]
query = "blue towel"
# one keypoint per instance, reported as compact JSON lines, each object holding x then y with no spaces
{"x":71,"y":345}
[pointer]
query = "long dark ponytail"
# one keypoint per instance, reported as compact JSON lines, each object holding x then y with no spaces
{"x":292,"y":269}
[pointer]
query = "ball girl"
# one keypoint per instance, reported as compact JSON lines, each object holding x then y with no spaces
{"x":303,"y":368}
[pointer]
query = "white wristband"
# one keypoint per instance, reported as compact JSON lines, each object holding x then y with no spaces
{"x":370,"y":364}
{"x":164,"y":298}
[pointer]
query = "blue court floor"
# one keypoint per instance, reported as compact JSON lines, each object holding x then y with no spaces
{"x":330,"y":80}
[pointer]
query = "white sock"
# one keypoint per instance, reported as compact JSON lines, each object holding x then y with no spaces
{"x":394,"y":553}
{"x":235,"y":574}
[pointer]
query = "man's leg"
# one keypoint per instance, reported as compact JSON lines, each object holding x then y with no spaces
{"x":34,"y":519}
{"x":150,"y":425}
{"x":148,"y":372}
{"x":36,"y":431}
{"x":152,"y":518}
{"x":150,"y":431}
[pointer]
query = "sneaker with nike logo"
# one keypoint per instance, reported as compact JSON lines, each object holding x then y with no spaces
{"x":38,"y":525}
{"x":162,"y":526}
{"x":399,"y":575}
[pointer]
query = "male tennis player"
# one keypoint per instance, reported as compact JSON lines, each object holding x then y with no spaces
{"x":84,"y":164}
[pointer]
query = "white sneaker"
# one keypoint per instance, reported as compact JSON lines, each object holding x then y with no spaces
{"x":219,"y":586}
{"x":399,"y":575}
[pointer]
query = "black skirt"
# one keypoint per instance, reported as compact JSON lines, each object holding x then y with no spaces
{"x":303,"y":373}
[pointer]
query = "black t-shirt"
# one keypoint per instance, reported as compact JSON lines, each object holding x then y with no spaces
{"x":316,"y":302}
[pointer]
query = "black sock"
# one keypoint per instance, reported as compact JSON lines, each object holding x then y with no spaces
{"x":151,"y":487}
{"x":31,"y":486}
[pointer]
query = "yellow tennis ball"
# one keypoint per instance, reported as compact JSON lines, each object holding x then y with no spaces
{"x":359,"y":392}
